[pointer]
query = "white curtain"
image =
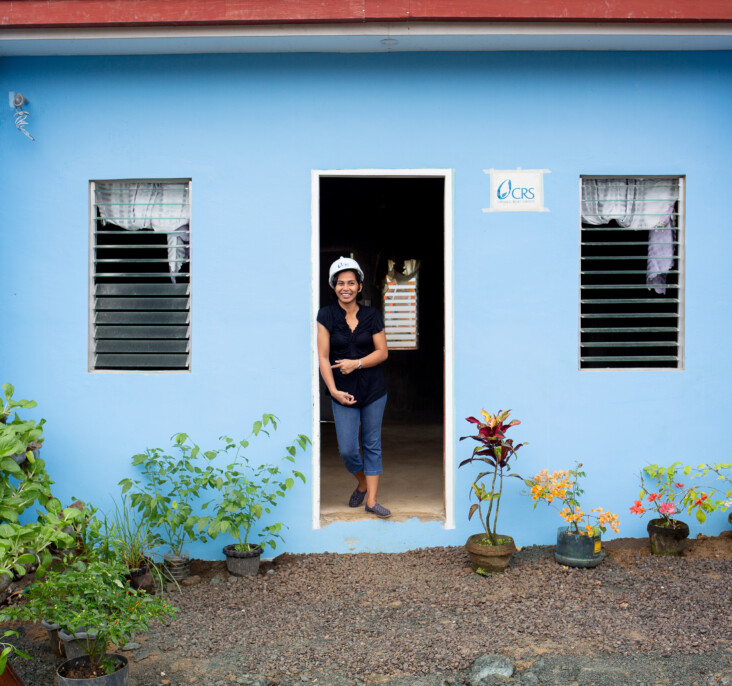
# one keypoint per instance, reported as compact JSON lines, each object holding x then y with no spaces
{"x":157,"y":206}
{"x":411,"y":267}
{"x":637,"y":204}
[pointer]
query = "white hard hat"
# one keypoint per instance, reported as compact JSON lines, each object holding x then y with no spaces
{"x":344,"y":264}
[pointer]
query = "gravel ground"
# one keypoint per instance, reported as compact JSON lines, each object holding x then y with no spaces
{"x":422,"y":618}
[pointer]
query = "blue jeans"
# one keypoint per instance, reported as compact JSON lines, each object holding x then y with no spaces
{"x":347,"y":420}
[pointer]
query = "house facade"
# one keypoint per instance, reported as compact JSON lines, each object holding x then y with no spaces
{"x":537,"y":197}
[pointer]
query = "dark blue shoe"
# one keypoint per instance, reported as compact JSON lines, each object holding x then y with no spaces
{"x":379,"y":511}
{"x":356,"y":498}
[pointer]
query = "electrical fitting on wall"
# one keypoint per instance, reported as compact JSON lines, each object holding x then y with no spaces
{"x":17,"y":100}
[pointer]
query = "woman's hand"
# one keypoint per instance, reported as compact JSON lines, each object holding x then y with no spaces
{"x":345,"y":366}
{"x":343,"y":398}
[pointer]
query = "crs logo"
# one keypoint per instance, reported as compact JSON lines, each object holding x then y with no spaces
{"x":505,"y":190}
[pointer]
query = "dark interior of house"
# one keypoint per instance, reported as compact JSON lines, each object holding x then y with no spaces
{"x":375,"y":220}
{"x":380,"y":219}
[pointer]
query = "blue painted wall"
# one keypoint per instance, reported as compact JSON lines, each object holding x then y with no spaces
{"x":248,"y":129}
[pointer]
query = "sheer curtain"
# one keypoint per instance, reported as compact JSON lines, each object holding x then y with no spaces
{"x":158,"y":206}
{"x":411,"y":267}
{"x":638,"y":204}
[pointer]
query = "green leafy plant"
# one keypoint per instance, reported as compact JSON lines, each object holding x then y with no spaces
{"x":168,"y":494}
{"x":669,"y":496}
{"x":91,"y":596}
{"x":25,"y":540}
{"x":31,"y":543}
{"x":496,"y":451}
{"x":720,"y":471}
{"x":129,"y":536}
{"x":18,"y":436}
{"x":8,"y":649}
{"x":249,"y":491}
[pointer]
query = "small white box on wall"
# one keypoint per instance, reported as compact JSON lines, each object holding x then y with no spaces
{"x":517,"y":190}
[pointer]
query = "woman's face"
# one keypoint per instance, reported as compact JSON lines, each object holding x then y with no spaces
{"x":347,"y":287}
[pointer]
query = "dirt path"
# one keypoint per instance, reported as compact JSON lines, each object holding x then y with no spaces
{"x":422,"y":618}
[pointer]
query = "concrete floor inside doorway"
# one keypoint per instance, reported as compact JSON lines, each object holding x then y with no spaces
{"x":413,"y":482}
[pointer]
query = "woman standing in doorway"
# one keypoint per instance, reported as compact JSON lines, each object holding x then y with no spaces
{"x":351,"y":348}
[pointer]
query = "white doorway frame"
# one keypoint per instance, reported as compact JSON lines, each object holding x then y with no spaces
{"x":449,"y":404}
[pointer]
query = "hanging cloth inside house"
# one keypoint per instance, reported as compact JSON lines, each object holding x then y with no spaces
{"x":400,"y":305}
{"x":409,"y":271}
{"x":638,"y":204}
{"x":162,"y":207}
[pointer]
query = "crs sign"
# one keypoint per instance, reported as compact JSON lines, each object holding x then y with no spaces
{"x":517,"y":190}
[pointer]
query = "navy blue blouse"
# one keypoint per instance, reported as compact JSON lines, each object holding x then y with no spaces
{"x":365,"y":385}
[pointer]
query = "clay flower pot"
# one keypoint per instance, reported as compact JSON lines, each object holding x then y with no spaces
{"x":490,"y":558}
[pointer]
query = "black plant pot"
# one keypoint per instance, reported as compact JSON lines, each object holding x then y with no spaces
{"x":141,"y":578}
{"x":578,"y":550}
{"x":118,"y":678}
{"x":242,"y":562}
{"x":177,"y":566}
{"x":667,"y":539}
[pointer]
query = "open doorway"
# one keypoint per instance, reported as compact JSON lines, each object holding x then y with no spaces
{"x":394,"y":226}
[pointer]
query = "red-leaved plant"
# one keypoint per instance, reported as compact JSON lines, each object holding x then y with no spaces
{"x":496,"y":451}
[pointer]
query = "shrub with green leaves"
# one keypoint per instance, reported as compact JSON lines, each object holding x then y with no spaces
{"x":91,"y":596}
{"x":19,"y":435}
{"x":21,"y":487}
{"x":249,"y":491}
{"x":128,"y":535}
{"x":720,"y":473}
{"x":168,"y":493}
{"x":9,"y":649}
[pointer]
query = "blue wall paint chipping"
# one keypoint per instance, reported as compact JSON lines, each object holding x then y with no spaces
{"x":248,"y":129}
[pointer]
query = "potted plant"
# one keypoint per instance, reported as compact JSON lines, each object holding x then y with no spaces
{"x":722,"y":471}
{"x":8,"y":676}
{"x":579,"y":544}
{"x":91,"y":598}
{"x":490,"y":551}
{"x":131,"y":540}
{"x":19,"y":439}
{"x":667,"y":535}
{"x":168,"y":495}
{"x":27,"y":541}
{"x":248,"y":492}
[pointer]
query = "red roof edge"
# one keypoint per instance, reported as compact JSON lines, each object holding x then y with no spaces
{"x":132,"y":13}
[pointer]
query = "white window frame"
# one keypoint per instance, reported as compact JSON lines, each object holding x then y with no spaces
{"x":91,"y":271}
{"x":449,"y":356}
{"x":681,"y":228}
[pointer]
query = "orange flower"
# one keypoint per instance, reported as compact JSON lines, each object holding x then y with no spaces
{"x":637,"y":507}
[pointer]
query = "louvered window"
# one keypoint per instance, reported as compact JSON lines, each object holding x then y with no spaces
{"x":400,"y":306}
{"x":140,"y":276}
{"x":631,"y":273}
